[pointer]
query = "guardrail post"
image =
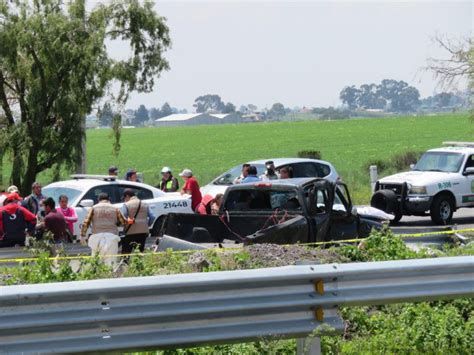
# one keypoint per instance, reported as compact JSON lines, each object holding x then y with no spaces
{"x":308,"y":346}
{"x":373,"y":176}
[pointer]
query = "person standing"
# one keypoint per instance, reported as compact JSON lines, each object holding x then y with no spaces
{"x":55,"y":222}
{"x":69,"y":213}
{"x":270,"y":173}
{"x":113,"y":171}
{"x":32,"y":202}
{"x":286,"y":172}
{"x":243,"y":174}
{"x":191,"y":187}
{"x":131,"y":175}
{"x":252,"y":175}
{"x":14,"y":220}
{"x":139,"y":218}
{"x":104,"y":217}
{"x":168,"y":182}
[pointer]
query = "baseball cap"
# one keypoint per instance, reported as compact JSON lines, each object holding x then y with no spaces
{"x":165,"y":169}
{"x":113,"y":169}
{"x":269,"y":163}
{"x":12,"y":188}
{"x":186,"y":172}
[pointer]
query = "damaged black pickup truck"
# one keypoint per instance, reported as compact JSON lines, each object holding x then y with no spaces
{"x":305,"y":210}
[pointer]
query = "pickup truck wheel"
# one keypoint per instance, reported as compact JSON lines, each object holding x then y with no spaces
{"x":442,"y":209}
{"x":156,"y":230}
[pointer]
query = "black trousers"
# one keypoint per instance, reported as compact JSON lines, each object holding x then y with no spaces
{"x":132,"y":241}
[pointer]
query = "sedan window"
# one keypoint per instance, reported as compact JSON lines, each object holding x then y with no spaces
{"x":310,"y":170}
{"x":93,"y":193}
{"x":140,"y":192}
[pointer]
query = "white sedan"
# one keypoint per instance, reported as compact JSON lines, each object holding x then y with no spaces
{"x":83,"y":192}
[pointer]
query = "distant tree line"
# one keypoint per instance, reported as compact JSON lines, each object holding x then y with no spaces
{"x":396,"y":96}
{"x":389,"y":95}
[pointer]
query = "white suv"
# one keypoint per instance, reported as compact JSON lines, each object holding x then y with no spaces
{"x":83,"y":192}
{"x":302,"y":167}
{"x":441,"y":182}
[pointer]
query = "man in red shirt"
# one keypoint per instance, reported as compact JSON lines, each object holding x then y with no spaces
{"x":14,"y":220}
{"x":191,"y":187}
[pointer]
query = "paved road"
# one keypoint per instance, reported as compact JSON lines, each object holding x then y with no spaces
{"x":463,"y":218}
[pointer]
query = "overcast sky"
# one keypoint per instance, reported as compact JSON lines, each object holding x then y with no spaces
{"x":298,"y":53}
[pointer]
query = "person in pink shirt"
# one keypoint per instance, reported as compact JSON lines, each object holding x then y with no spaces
{"x":68,"y":212}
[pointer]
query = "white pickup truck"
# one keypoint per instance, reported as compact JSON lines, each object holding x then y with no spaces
{"x":83,"y":192}
{"x":441,"y":182}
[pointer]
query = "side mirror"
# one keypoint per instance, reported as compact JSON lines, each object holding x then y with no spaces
{"x":469,"y":171}
{"x":354,"y":211}
{"x":412,"y":166}
{"x":86,"y":203}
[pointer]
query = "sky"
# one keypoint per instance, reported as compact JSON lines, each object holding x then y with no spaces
{"x":298,"y":53}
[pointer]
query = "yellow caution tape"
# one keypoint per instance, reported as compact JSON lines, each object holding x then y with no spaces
{"x":218,"y":249}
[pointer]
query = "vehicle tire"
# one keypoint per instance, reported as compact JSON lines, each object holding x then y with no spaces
{"x":156,"y":230}
{"x":442,"y":209}
{"x":398,"y":217}
{"x":385,"y":200}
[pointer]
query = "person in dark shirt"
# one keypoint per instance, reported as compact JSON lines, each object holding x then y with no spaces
{"x":55,"y":222}
{"x":14,"y":220}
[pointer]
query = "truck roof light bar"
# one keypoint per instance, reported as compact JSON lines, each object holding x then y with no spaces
{"x":96,"y":177}
{"x":459,"y":144}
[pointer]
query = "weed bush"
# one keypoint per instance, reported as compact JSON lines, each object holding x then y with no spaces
{"x":310,"y":154}
{"x":403,"y":161}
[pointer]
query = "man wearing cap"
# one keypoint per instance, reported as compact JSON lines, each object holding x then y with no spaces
{"x":113,"y":170}
{"x":3,"y":195}
{"x":191,"y":187}
{"x":132,"y":175}
{"x":139,"y":218}
{"x":270,"y":173}
{"x":14,"y":220}
{"x":168,"y":182}
{"x":32,"y":202}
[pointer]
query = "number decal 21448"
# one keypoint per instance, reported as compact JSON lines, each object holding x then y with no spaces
{"x":167,"y":205}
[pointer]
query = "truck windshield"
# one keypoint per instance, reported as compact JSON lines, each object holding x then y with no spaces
{"x":440,"y":161}
{"x":262,"y":200}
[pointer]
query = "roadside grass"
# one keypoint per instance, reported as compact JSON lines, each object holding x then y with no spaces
{"x":211,"y":150}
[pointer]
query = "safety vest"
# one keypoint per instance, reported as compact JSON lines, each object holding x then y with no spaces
{"x":141,"y":220}
{"x":104,"y":219}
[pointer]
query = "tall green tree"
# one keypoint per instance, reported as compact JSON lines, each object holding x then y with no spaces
{"x":277,"y":110}
{"x":166,"y":110}
{"x":54,"y":68}
{"x":141,"y":116}
{"x":105,"y":115}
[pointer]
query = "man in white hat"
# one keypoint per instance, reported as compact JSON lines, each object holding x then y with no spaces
{"x":3,"y":195}
{"x":191,"y":187}
{"x":168,"y":182}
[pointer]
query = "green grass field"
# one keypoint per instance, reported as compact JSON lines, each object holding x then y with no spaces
{"x":210,"y":150}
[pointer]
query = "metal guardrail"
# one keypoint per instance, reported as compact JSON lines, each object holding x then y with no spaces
{"x":204,"y":308}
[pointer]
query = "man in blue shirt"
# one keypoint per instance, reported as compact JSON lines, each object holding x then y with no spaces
{"x":252,"y":175}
